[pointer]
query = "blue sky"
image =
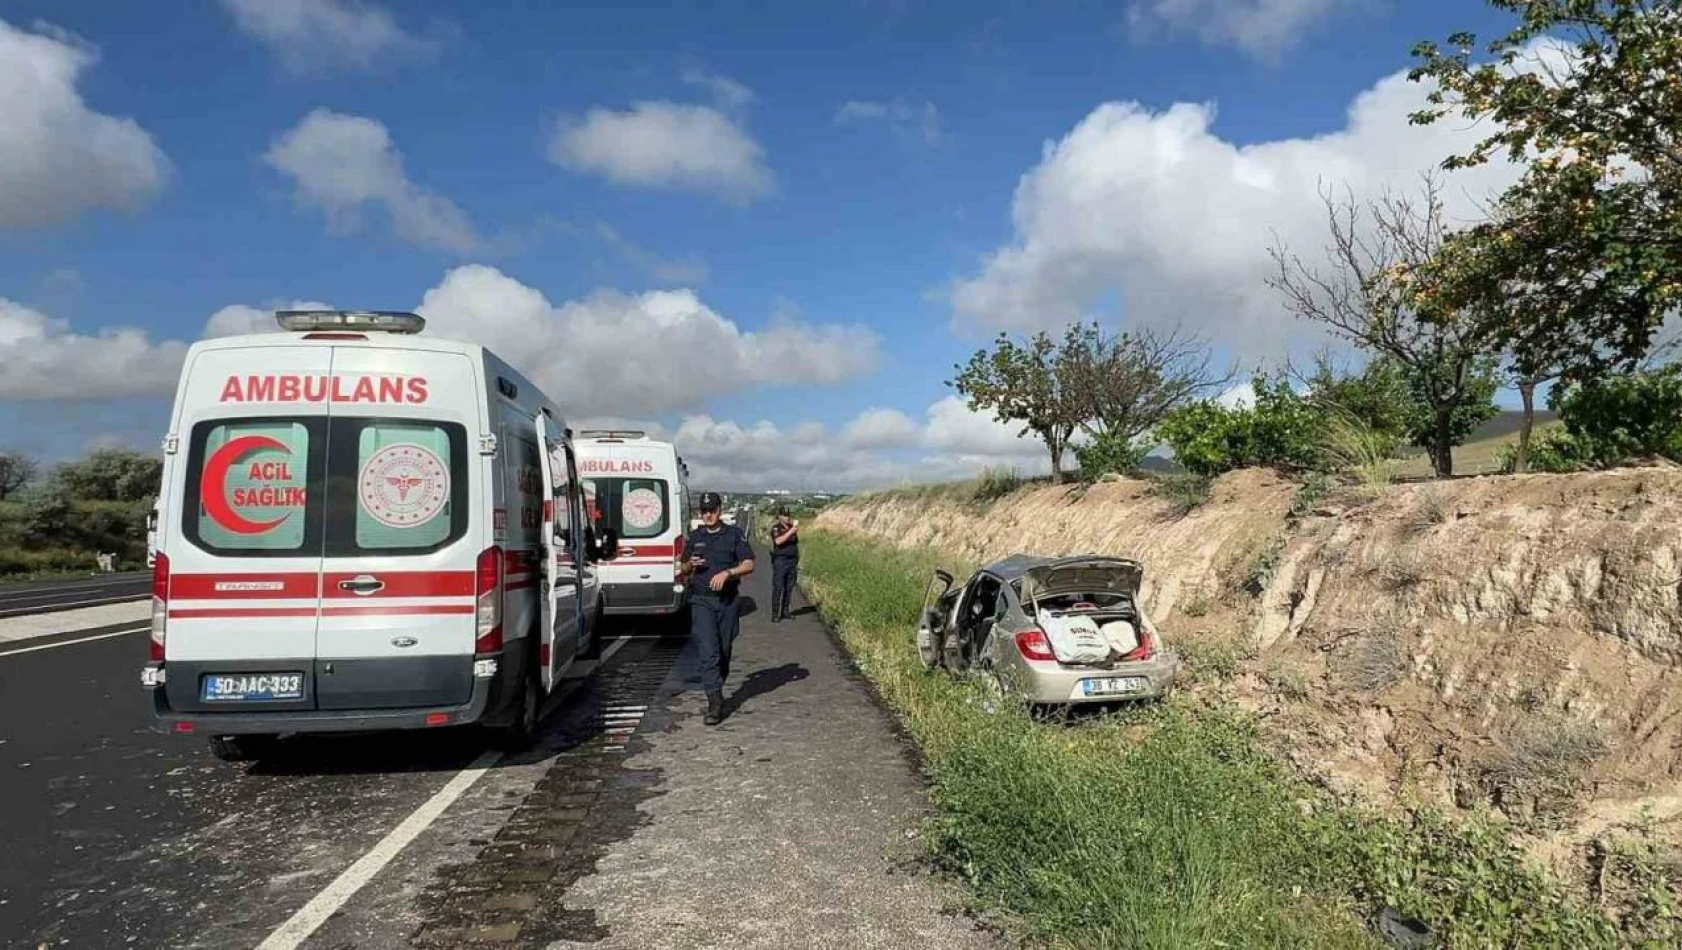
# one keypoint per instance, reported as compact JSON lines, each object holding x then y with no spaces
{"x":885,"y":182}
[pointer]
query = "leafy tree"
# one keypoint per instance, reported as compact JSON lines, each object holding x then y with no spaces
{"x":112,"y":475}
{"x":16,"y":471}
{"x":1380,"y":289}
{"x":1589,"y":244}
{"x":1019,"y":382}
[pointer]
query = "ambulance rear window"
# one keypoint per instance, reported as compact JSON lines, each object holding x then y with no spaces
{"x":249,"y":486}
{"x":410,"y":486}
{"x":634,"y":507}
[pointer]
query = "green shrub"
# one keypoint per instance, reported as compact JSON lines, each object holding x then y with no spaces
{"x":1186,"y":490}
{"x":1551,"y":450}
{"x":1281,"y":430}
{"x":995,"y":483}
{"x":1618,"y":418}
{"x":1109,"y":454}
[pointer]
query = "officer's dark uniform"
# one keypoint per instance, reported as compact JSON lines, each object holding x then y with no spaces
{"x":785,"y":566}
{"x":713,"y":615}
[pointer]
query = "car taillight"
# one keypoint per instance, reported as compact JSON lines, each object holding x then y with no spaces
{"x":489,"y":612}
{"x":160,"y":604}
{"x":1033,"y":645}
{"x":677,"y":555}
{"x":1147,"y":644}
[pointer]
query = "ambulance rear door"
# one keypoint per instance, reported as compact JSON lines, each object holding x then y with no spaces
{"x":240,"y":555}
{"x":406,"y":540}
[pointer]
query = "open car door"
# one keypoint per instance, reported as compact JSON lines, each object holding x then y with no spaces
{"x":562,"y":594}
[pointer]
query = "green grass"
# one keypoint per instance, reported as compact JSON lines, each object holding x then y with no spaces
{"x":1167,"y":825}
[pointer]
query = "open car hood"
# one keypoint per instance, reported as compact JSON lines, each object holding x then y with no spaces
{"x":1083,"y":574}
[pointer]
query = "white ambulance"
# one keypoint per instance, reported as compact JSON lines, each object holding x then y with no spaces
{"x":640,"y":491}
{"x":355,"y":535}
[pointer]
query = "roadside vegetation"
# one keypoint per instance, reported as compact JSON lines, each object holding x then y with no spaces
{"x":58,"y":521}
{"x":1174,"y":826}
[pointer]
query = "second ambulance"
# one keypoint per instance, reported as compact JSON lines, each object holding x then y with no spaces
{"x":640,"y":491}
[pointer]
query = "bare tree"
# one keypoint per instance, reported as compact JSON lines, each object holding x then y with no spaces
{"x":16,"y":471}
{"x":1125,"y":383}
{"x":1376,"y":290}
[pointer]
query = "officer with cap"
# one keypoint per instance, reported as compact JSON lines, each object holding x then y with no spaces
{"x":719,"y":557}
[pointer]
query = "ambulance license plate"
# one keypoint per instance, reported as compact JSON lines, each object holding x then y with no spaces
{"x":253,"y":687}
{"x":1114,"y":686}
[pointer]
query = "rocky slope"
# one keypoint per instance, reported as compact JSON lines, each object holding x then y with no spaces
{"x":1513,"y":642}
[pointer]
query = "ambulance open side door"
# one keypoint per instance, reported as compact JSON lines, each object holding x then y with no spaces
{"x":563,"y":545}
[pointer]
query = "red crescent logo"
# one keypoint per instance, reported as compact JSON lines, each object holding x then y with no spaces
{"x":213,"y":491}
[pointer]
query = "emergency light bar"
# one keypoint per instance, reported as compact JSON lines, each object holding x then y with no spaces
{"x":387,"y":321}
{"x":612,"y":434}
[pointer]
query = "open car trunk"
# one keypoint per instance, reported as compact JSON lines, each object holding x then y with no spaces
{"x":1087,"y":608}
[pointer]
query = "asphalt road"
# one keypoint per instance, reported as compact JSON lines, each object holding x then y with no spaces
{"x":37,"y":597}
{"x":118,"y":836}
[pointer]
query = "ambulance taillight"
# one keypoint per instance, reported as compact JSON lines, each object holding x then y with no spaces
{"x":160,"y":604}
{"x":489,"y":611}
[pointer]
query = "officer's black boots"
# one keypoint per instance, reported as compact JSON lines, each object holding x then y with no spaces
{"x":715,"y":708}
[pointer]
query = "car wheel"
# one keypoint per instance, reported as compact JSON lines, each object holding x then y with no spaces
{"x":247,"y":748}
{"x":517,"y":736}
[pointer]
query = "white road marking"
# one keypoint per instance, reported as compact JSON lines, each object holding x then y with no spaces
{"x":75,"y":603}
{"x":312,"y":915}
{"x":67,"y":643}
{"x":61,"y":588}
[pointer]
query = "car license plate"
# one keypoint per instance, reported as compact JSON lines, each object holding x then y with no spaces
{"x":1114,"y":686}
{"x":253,"y":687}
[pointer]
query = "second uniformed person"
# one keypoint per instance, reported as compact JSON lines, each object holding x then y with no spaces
{"x":719,"y":557}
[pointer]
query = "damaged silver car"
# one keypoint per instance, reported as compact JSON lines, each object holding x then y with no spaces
{"x":1052,"y":631}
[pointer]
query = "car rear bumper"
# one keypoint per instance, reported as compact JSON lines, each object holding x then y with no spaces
{"x":489,"y":701}
{"x":1057,"y":685}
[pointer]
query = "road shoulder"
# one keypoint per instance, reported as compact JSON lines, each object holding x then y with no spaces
{"x":787,"y":826}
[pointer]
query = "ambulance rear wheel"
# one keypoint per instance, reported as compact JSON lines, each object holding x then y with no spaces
{"x":245,"y":748}
{"x":518,"y":734}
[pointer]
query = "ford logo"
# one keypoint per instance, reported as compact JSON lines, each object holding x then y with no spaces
{"x":403,"y":641}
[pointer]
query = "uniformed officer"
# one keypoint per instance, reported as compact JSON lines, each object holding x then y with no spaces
{"x":785,"y":562}
{"x":719,"y":557}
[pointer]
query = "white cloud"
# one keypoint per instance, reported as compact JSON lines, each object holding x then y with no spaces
{"x":954,"y":428}
{"x":619,"y":353}
{"x":880,"y":428}
{"x":727,"y":92}
{"x":1158,"y":210}
{"x":43,"y":359}
{"x":1262,"y":28}
{"x":904,"y":117}
{"x":343,"y":163}
{"x":311,"y":35}
{"x":666,"y":145}
{"x":58,"y":158}
{"x":239,"y":319}
{"x":879,"y":447}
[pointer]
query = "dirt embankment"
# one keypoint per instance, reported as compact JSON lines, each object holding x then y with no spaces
{"x":1514,"y":642}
